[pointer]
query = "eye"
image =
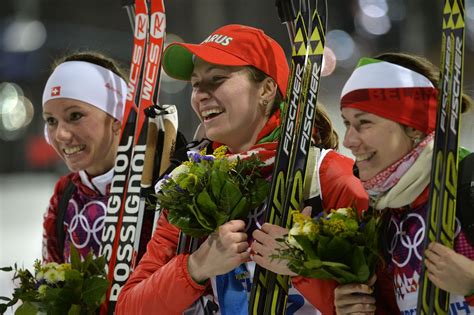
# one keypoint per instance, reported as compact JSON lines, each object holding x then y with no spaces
{"x":346,"y":123}
{"x":218,"y":79}
{"x":75,"y":116}
{"x":50,"y":121}
{"x":195,"y":84}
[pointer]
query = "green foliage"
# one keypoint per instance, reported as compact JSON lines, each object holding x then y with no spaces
{"x":207,"y":191}
{"x":75,"y":288}
{"x":338,"y":246}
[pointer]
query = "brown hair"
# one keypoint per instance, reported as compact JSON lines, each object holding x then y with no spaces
{"x":324,"y":134}
{"x":95,"y":58}
{"x":425,"y":67}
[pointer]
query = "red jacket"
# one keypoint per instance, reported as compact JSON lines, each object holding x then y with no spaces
{"x":161,"y":282}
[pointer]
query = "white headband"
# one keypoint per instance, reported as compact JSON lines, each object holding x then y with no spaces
{"x":377,"y":74}
{"x":89,"y":83}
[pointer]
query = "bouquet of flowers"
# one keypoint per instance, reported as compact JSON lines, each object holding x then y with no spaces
{"x":337,"y":246}
{"x":75,"y":289}
{"x":209,"y":190}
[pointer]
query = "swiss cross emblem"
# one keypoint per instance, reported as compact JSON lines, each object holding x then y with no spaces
{"x":55,"y":91}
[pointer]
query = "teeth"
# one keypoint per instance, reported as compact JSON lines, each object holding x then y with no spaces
{"x":75,"y":149}
{"x":364,"y":157}
{"x":209,"y":112}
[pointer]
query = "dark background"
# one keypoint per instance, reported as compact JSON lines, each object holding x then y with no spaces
{"x":103,"y":25}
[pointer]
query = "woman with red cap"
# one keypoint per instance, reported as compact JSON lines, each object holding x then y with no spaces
{"x":389,"y":109}
{"x":238,"y":76}
{"x":83,"y":103}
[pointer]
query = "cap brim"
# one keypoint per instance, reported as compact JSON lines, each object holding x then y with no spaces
{"x":178,"y":60}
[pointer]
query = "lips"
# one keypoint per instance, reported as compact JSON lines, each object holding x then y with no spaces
{"x":74,"y":149}
{"x":364,"y":157}
{"x":211,"y":113}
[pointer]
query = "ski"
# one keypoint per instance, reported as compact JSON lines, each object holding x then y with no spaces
{"x":270,"y":291}
{"x":122,"y":217}
{"x":444,"y":172}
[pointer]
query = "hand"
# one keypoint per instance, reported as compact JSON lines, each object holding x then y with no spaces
{"x":355,"y":298}
{"x":223,"y":250}
{"x":449,"y":270}
{"x":265,"y":245}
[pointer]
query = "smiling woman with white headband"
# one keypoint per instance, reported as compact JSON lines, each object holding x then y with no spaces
{"x":389,"y":109}
{"x":83,"y":103}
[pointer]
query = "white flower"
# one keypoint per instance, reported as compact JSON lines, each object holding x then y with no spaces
{"x":183,"y":168}
{"x":343,"y":211}
{"x":297,"y":229}
{"x":42,"y":289}
{"x":174,"y":175}
{"x":52,"y":276}
{"x":40,"y":275}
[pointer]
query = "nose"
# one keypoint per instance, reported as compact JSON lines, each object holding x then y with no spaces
{"x":199,"y":96}
{"x":63,"y":132}
{"x":351,"y":138}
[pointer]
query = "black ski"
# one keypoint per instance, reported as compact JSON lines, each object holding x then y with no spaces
{"x":443,"y":184}
{"x":270,"y":291}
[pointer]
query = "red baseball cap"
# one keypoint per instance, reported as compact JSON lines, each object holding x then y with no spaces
{"x":230,"y":45}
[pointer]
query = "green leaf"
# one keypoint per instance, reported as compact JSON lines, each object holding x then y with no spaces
{"x":6,"y":269}
{"x":26,"y":308}
{"x":338,"y":249}
{"x":342,"y":276}
{"x":241,"y":209}
{"x":75,"y":257}
{"x":93,"y":291}
{"x":73,"y":275}
{"x":230,"y":196}
{"x":74,"y":310}
{"x":205,"y":203}
{"x":359,"y":265}
{"x":205,"y":221}
{"x":217,"y":180}
{"x":307,"y":245}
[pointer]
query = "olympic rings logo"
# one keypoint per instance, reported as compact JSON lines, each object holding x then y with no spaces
{"x":400,"y":238}
{"x":79,"y":222}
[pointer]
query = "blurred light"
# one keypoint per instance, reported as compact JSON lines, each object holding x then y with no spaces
{"x":329,"y":62}
{"x":374,"y":26}
{"x":341,"y":43}
{"x":168,"y":84}
{"x":374,"y":8}
{"x":470,"y":14}
{"x":24,"y":36}
{"x":398,"y":11}
{"x":16,"y":111}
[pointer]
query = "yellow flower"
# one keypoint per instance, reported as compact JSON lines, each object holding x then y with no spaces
{"x":187,"y":164}
{"x":302,"y":225}
{"x":220,"y":152}
{"x":335,"y":226}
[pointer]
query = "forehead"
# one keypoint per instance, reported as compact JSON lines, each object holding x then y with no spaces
{"x":202,"y":67}
{"x":63,"y":104}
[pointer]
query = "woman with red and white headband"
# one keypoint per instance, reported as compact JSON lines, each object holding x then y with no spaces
{"x":239,"y":77}
{"x":389,"y":109}
{"x":83,"y":103}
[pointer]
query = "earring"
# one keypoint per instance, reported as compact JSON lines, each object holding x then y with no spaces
{"x":265,"y":103}
{"x":416,"y":141}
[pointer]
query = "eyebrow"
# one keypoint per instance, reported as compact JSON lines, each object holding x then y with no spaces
{"x":66,"y":109}
{"x":212,"y":67}
{"x":358,"y":115}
